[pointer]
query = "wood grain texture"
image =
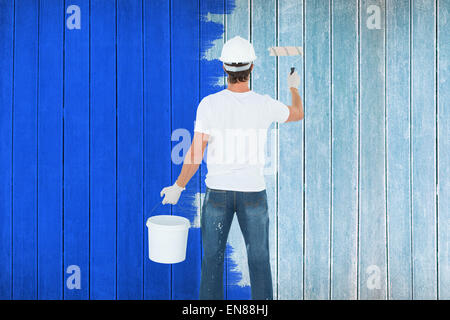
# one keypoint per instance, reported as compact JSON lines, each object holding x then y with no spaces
{"x":6,"y":125}
{"x":103,"y":151}
{"x":423,"y":116}
{"x":76,"y":153}
{"x":185,"y":38}
{"x":443,"y":149}
{"x":130,"y":215}
{"x":317,"y":149}
{"x":50,"y":146}
{"x":372,"y":196}
{"x":24,"y":198}
{"x":290,"y":168}
{"x":398,"y":141}
{"x":157,"y":123}
{"x":344,"y":150}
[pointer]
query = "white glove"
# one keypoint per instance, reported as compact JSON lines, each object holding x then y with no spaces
{"x":293,"y":80}
{"x":172,"y":194}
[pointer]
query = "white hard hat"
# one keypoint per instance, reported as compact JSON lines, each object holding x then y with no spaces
{"x":237,"y":50}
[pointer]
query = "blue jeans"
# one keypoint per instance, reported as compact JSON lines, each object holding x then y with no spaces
{"x":217,"y":215}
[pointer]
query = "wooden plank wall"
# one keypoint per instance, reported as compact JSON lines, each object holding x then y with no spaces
{"x":359,"y":198}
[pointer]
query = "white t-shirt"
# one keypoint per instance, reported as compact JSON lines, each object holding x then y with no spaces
{"x":237,"y":126}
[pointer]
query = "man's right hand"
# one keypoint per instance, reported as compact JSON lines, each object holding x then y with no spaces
{"x":293,"y":80}
{"x":296,"y":109}
{"x":171,"y":194}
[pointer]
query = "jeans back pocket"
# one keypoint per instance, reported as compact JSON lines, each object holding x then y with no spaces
{"x":216,"y":198}
{"x":255,"y":199}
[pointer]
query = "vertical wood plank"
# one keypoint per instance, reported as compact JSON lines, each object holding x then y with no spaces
{"x":76,"y":152}
{"x":6,"y":118}
{"x":372,"y":197}
{"x":185,"y":99}
{"x":103,"y":150}
{"x":263,"y":36}
{"x":424,"y":149}
{"x":212,"y":18}
{"x":25,"y":151}
{"x":444,"y":149}
{"x":290,"y":175}
{"x":344,"y":150}
{"x":130,"y":223}
{"x":50,"y":147}
{"x":238,"y":279}
{"x":398,"y":149}
{"x":157,"y":132}
{"x":318,"y":150}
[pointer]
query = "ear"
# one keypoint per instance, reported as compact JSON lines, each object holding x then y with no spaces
{"x":251,"y":67}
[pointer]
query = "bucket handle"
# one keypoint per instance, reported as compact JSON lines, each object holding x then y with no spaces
{"x":160,"y":203}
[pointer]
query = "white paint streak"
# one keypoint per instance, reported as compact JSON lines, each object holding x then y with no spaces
{"x":215,"y":50}
{"x":197,"y":204}
{"x":213,"y":17}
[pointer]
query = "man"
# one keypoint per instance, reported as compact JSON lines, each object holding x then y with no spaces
{"x":230,"y":122}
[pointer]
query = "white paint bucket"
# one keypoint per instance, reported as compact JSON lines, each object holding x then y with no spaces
{"x":167,"y":238}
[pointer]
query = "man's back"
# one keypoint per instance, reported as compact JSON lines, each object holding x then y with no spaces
{"x":237,"y":124}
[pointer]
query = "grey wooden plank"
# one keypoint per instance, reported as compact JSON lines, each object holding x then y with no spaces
{"x":344,"y":150}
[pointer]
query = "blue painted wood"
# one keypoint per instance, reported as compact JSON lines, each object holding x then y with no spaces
{"x":344,"y":221}
{"x":185,"y":99}
{"x":103,"y":151}
{"x":6,"y":118}
{"x":212,"y":35}
{"x":25,"y":151}
{"x":398,"y":141}
{"x":157,"y":131}
{"x":317,"y":150}
{"x":130,"y":216}
{"x":50,"y":147}
{"x":76,"y":153}
{"x":444,"y":149}
{"x":238,"y":280}
{"x":290,"y":168}
{"x":423,"y":117}
{"x":372,"y":182}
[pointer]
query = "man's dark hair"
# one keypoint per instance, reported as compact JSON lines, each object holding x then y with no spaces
{"x":240,"y":76}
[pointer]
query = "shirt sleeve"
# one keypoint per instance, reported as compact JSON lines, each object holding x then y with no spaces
{"x":276,"y":110}
{"x":202,"y":121}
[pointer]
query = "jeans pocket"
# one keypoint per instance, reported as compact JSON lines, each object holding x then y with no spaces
{"x":255,"y":199}
{"x":216,"y":198}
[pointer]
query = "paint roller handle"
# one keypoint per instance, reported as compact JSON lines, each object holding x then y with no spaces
{"x":292,"y":70}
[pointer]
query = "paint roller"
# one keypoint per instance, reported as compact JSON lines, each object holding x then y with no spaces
{"x":286,"y":51}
